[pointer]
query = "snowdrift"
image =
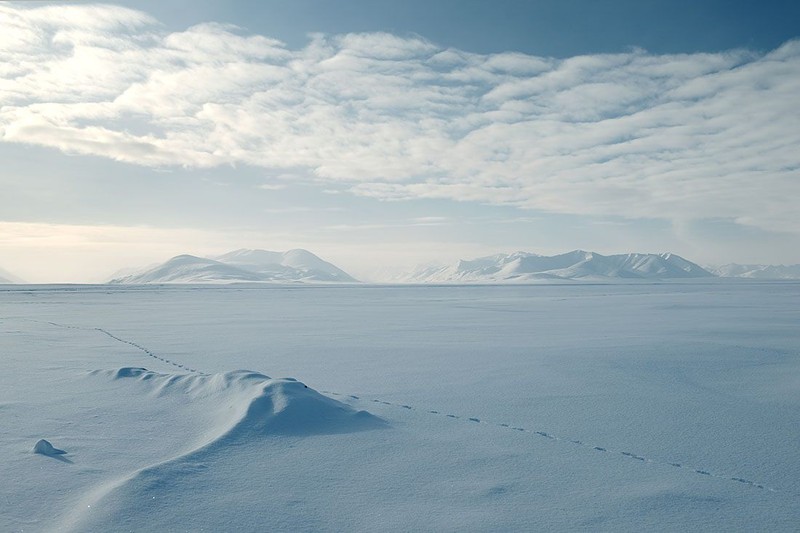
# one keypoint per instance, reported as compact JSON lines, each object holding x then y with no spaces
{"x":249,"y":404}
{"x":226,"y":413}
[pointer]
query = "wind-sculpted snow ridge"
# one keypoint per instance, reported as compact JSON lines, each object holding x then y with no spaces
{"x":250,"y":403}
{"x":228,"y":410}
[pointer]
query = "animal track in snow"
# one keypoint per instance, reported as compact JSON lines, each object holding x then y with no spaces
{"x":116,"y":338}
{"x":544,"y":434}
{"x":550,"y":436}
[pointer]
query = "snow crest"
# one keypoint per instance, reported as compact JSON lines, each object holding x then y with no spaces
{"x":250,"y":403}
{"x":231,"y":409}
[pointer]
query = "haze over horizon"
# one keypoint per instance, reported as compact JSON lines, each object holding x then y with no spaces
{"x":380,"y":136}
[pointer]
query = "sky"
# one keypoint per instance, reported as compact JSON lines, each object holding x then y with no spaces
{"x":384,"y":135}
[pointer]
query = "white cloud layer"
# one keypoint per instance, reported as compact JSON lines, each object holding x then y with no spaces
{"x":679,"y":137}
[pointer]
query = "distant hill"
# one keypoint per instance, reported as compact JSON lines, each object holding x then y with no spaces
{"x":294,"y":264}
{"x":524,"y":266}
{"x":7,"y":277}
{"x":241,"y":265}
{"x":733,"y":270}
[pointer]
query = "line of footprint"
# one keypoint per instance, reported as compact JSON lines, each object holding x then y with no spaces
{"x":118,"y":339}
{"x":576,"y":442}
{"x":146,"y":351}
{"x":472,"y":419}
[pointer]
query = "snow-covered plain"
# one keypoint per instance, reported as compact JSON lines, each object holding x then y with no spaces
{"x":613,"y":407}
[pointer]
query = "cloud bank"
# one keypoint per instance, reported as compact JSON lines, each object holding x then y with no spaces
{"x":678,"y":137}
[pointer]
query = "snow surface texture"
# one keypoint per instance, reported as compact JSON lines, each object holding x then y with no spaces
{"x":239,"y":406}
{"x":590,"y":266}
{"x":241,"y":265}
{"x":613,"y":407}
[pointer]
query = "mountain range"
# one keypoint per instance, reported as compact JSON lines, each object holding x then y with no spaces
{"x":303,"y":266}
{"x":241,"y":265}
{"x":733,"y":270}
{"x":524,"y":267}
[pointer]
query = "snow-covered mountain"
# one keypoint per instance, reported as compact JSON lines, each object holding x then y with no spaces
{"x":524,"y":266}
{"x":241,"y":265}
{"x":8,"y":277}
{"x":285,"y":264}
{"x":733,"y":270}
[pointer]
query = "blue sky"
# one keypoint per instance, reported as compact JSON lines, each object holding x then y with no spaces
{"x":555,"y":28}
{"x":381,"y":135}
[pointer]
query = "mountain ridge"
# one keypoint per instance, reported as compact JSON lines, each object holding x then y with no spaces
{"x":756,"y":271}
{"x":244,"y":265}
{"x":7,"y":277}
{"x":574,"y":265}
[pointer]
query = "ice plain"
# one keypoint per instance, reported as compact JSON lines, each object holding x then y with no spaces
{"x":573,"y":407}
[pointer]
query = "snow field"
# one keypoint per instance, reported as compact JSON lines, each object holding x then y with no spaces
{"x":487,"y":408}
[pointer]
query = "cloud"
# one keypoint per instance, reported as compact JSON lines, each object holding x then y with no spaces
{"x":302,"y":209}
{"x":416,"y":222}
{"x":678,"y":137}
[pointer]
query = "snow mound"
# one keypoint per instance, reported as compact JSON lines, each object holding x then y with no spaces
{"x":289,"y":407}
{"x":219,"y":413}
{"x":45,"y":448}
{"x":130,"y":372}
{"x":245,"y":403}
